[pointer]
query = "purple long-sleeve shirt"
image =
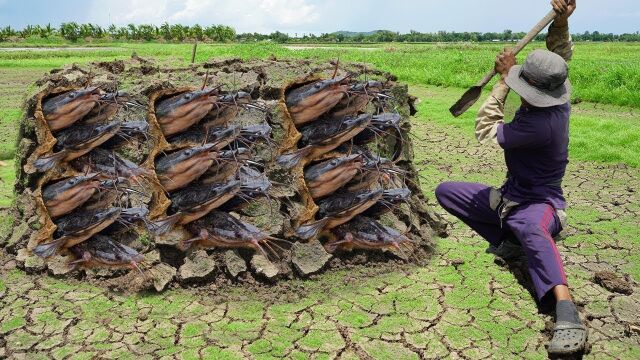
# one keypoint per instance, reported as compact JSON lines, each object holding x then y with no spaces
{"x":536,"y":152}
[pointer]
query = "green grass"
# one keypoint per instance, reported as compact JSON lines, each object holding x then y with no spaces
{"x":7,"y":174}
{"x":600,"y":72}
{"x":604,"y":133}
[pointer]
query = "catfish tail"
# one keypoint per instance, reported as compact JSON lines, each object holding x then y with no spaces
{"x":311,"y":230}
{"x":163,"y":226}
{"x":45,"y":163}
{"x":290,"y":160}
{"x":48,"y":249}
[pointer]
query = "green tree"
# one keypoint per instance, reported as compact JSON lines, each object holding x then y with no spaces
{"x":146,"y":32}
{"x":279,"y":37}
{"x":165,"y":31}
{"x":196,"y":32}
{"x":46,"y":31}
{"x":70,"y":31}
{"x":178,"y":32}
{"x":112,"y":30}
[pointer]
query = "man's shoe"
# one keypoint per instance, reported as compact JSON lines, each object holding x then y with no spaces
{"x":569,"y":334}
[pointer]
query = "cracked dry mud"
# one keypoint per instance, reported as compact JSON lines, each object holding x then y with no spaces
{"x":460,"y":305}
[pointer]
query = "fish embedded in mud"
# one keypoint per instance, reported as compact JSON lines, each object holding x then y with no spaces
{"x":254,"y":184}
{"x":63,"y":110}
{"x":377,"y":171}
{"x":308,"y":102}
{"x":180,"y":168}
{"x":390,"y":199}
{"x":179,"y":112}
{"x":221,"y":230}
{"x":337,"y":210}
{"x":128,"y":218}
{"x":226,"y":165}
{"x":227,"y":107}
{"x":129,"y":130}
{"x":367,"y":234}
{"x":379,"y":128}
{"x":252,"y":135}
{"x":218,"y":136}
{"x":109,"y":104}
{"x":109,"y":164}
{"x":194,"y":202}
{"x":204,"y":170}
{"x":63,"y":196}
{"x":328,"y":176}
{"x":103,"y":251}
{"x":75,"y":142}
{"x":77,"y":227}
{"x":358,"y":97}
{"x":322,"y":137}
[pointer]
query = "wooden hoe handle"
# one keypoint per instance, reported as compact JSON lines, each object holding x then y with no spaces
{"x":523,"y":42}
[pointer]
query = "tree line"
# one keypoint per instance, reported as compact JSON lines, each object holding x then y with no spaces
{"x":73,"y":31}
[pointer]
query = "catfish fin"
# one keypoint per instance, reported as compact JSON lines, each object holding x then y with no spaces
{"x":290,"y":160}
{"x":311,"y":230}
{"x":45,"y":163}
{"x":48,"y":249}
{"x":163,"y":226}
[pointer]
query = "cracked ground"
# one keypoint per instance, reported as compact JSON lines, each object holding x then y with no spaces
{"x":463,"y":304}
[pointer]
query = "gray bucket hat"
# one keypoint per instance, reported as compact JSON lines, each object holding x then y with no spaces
{"x":542,"y":79}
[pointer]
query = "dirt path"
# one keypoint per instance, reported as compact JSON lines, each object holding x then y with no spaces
{"x":461,"y":305}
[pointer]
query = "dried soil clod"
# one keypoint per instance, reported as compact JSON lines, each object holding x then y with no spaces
{"x":263,"y":267}
{"x":162,"y":275}
{"x":197,"y":266}
{"x":309,"y":258}
{"x":234,"y":262}
{"x":613,"y":282}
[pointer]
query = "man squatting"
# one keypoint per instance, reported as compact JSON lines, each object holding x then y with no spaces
{"x":527,"y":211}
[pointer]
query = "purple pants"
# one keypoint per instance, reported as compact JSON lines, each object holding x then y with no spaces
{"x":533,"y":224}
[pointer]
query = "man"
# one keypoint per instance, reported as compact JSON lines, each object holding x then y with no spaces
{"x":530,"y":205}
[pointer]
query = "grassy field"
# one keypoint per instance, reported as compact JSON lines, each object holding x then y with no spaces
{"x":600,"y":72}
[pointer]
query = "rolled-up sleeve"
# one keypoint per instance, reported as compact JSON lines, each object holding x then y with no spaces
{"x":491,"y":114}
{"x":559,"y":41}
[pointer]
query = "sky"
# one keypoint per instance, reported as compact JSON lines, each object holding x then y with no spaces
{"x":315,"y":16}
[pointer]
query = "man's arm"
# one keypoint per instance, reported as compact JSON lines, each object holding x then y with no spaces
{"x":558,"y":38}
{"x":491,"y":114}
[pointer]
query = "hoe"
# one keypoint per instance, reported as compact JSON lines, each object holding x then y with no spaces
{"x":473,"y":94}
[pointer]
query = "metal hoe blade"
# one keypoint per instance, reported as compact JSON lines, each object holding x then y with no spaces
{"x":466,"y":101}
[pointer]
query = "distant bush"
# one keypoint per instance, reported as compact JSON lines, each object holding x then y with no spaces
{"x":70,"y":31}
{"x":6,"y":33}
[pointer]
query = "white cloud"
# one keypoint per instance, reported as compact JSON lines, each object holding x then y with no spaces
{"x":134,"y":11}
{"x":246,"y":15}
{"x":290,"y":12}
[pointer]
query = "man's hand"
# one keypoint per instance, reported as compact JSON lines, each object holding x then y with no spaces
{"x":504,"y":62}
{"x":564,"y":8}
